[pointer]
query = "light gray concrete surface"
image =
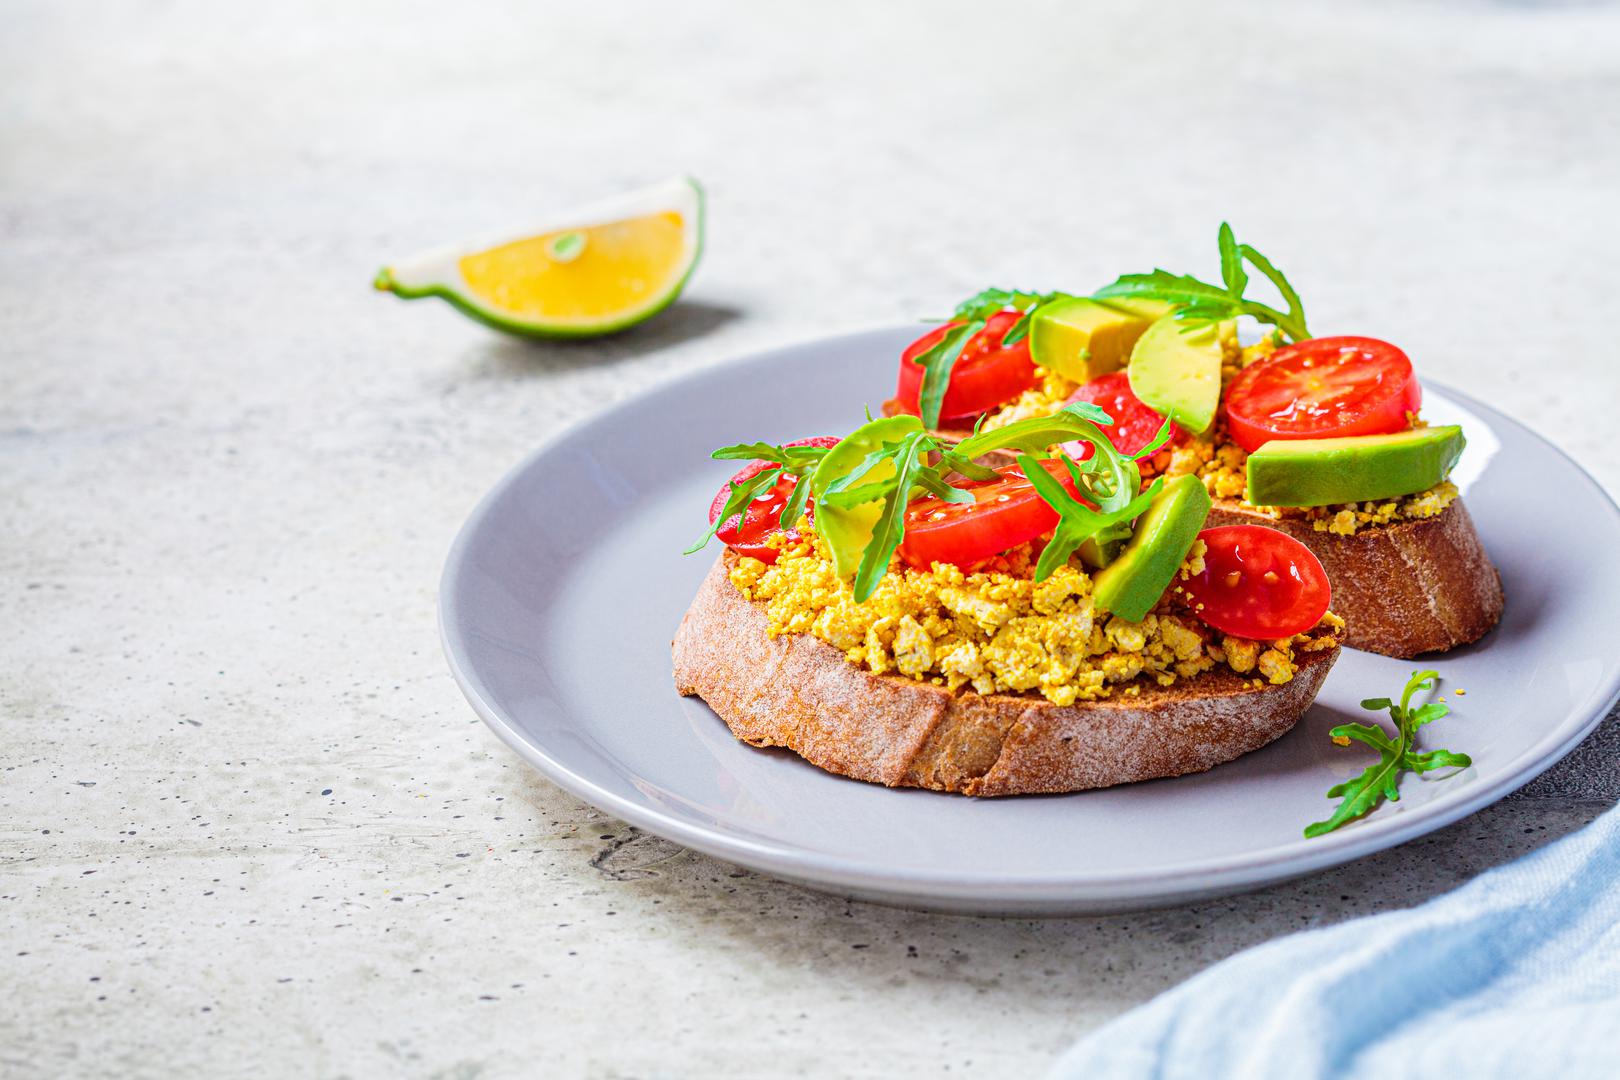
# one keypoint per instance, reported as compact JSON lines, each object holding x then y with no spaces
{"x":249,"y":826}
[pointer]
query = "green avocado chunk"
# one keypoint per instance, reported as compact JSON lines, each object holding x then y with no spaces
{"x":1098,"y":551}
{"x":1176,"y":371}
{"x":847,"y":532}
{"x":1081,"y":338}
{"x":1360,"y":468}
{"x":1131,"y":584}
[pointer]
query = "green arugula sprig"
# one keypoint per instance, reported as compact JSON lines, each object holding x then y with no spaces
{"x":909,"y":470}
{"x":1077,"y":522}
{"x":971,"y":316}
{"x":1199,"y":302}
{"x":846,"y":493}
{"x":795,"y":461}
{"x":990,"y":302}
{"x":1395,"y":756}
{"x":922,"y":463}
{"x":1110,"y":482}
{"x":1114,"y":498}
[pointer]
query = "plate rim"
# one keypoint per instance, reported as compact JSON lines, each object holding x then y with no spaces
{"x":824,"y":870}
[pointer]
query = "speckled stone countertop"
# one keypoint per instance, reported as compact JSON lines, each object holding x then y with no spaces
{"x":251,"y":828}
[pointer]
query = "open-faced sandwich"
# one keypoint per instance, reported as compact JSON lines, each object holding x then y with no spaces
{"x":893,"y":608}
{"x":1321,"y":438}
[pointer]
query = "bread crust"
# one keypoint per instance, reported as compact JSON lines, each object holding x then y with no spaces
{"x":798,"y":692}
{"x":1403,"y":589}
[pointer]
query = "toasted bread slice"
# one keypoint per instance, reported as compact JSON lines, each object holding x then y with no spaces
{"x":1403,"y":589}
{"x":799,"y":692}
{"x":1406,"y":588}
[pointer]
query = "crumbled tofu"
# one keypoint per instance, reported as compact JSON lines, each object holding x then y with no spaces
{"x":996,"y":631}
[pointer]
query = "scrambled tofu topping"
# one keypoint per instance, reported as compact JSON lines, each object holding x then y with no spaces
{"x":1223,"y":465}
{"x":1345,"y":519}
{"x":997,"y":630}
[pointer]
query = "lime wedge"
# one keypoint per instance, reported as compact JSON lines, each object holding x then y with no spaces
{"x":583,"y":273}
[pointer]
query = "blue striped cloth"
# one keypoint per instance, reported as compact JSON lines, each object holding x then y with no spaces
{"x":1515,"y":974}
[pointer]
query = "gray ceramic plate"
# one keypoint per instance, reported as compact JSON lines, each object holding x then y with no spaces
{"x":564,"y":588}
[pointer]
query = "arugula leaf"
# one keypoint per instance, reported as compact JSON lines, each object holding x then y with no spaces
{"x":987,"y":302}
{"x":1437,"y":759}
{"x":1199,"y":302}
{"x":737,"y":503}
{"x":1381,"y":780}
{"x":972,"y":313}
{"x":1296,"y":307}
{"x":891,"y":523}
{"x":937,"y":363}
{"x":1020,"y":329}
{"x":1232,"y":271}
{"x":847,"y":498}
{"x":1077,"y":419}
{"x":782,"y":455}
{"x":921,"y":463}
{"x":793,"y":509}
{"x":1110,"y":480}
{"x":1077,"y":522}
{"x":932,"y":482}
{"x":845,"y":493}
{"x":866,"y":465}
{"x":1155,"y":444}
{"x":950,"y":461}
{"x":750,"y":452}
{"x":795,"y":461}
{"x":1183,"y":290}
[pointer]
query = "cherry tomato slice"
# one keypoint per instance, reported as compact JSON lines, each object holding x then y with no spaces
{"x":1135,"y":423}
{"x":1323,"y":388}
{"x":987,"y":373}
{"x":1004,"y":514}
{"x":1258,"y":583}
{"x":747,"y":533}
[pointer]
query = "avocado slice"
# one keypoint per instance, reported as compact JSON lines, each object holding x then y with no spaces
{"x":1131,"y":584}
{"x":1100,"y":550}
{"x":1081,"y":338}
{"x":847,"y":532}
{"x":1359,"y":468}
{"x":1176,"y":370}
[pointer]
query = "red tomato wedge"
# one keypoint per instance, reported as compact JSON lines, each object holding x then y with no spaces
{"x":987,"y":373}
{"x":1323,"y":388}
{"x":1134,"y":424}
{"x":746,"y":533}
{"x":1004,"y":514}
{"x":1258,"y":583}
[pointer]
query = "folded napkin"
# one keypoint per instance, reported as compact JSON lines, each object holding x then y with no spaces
{"x":1515,"y":974}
